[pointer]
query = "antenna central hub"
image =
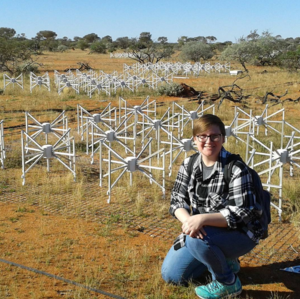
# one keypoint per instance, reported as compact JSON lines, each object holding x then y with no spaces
{"x":157,"y":124}
{"x":111,"y":135}
{"x":228,"y":131}
{"x":46,"y":128}
{"x":193,"y":115}
{"x":259,"y":120}
{"x":97,"y":118}
{"x":187,"y":144}
{"x":47,"y":151}
{"x":131,"y":164}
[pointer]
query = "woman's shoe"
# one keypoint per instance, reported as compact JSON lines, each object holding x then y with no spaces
{"x":218,"y":290}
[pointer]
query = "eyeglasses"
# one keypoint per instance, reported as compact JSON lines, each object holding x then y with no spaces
{"x":213,"y":137}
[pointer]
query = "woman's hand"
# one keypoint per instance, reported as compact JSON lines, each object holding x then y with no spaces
{"x":194,"y":226}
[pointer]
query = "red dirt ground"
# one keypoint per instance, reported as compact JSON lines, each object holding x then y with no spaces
{"x":79,"y":249}
{"x":71,"y":248}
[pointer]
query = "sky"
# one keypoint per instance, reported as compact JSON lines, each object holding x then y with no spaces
{"x":227,"y":20}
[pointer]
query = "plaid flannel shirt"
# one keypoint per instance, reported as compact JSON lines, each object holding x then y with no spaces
{"x":235,"y":202}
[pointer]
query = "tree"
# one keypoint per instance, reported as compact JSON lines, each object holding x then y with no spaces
{"x":65,"y":40}
{"x":107,"y":39}
{"x":149,"y":52}
{"x":21,"y":36}
{"x":291,"y":60}
{"x":98,"y":47}
{"x":198,"y":39}
{"x":46,"y":39}
{"x":82,"y":44}
{"x":268,"y":49}
{"x":109,"y":44}
{"x":76,"y":38}
{"x":15,"y":55}
{"x":196,"y":50}
{"x":289,"y":40}
{"x":7,"y":33}
{"x":111,"y":47}
{"x":162,"y":39}
{"x":221,"y":46}
{"x":46,"y":35}
{"x":267,"y":33}
{"x":123,"y":42}
{"x":182,"y":40}
{"x":91,"y":37}
{"x":49,"y":44}
{"x":62,"y":48}
{"x":253,"y":35}
{"x":145,"y":37}
{"x":261,"y":50}
{"x":143,"y":42}
{"x":242,"y":52}
{"x":211,"y":38}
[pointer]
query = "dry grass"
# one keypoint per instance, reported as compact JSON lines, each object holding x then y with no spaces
{"x":86,"y":251}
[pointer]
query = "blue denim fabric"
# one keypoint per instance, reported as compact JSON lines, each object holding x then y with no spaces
{"x":210,"y":253}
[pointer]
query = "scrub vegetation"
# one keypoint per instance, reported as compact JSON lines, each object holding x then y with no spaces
{"x":66,"y":228}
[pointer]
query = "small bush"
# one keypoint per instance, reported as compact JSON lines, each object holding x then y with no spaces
{"x":98,"y":47}
{"x":172,"y":90}
{"x":27,"y":67}
{"x":62,"y":48}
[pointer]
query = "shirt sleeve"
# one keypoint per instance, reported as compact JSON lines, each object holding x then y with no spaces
{"x":179,"y":195}
{"x":240,"y":210}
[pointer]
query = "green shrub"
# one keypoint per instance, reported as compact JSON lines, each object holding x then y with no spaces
{"x":62,"y":48}
{"x":172,"y":89}
{"x":27,"y":67}
{"x":98,"y":47}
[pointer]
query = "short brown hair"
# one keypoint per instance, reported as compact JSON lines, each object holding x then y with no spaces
{"x":205,"y":121}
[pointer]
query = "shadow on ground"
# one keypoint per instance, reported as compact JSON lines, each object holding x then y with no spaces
{"x":271,"y":275}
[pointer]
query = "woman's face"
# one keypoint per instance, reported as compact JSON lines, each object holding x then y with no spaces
{"x":209,"y":148}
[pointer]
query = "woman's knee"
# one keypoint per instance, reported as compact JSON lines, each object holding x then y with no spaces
{"x":175,"y":266}
{"x":172,"y":275}
{"x":180,"y":266}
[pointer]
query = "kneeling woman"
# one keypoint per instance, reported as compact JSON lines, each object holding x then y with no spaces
{"x":220,"y":222}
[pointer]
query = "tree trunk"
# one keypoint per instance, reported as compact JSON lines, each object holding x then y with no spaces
{"x":244,"y":66}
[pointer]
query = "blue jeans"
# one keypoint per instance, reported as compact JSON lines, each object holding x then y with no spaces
{"x":210,"y":253}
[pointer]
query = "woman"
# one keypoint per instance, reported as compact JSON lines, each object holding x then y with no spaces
{"x":220,"y":222}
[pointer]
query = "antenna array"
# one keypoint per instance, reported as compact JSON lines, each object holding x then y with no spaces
{"x":61,"y":149}
{"x":130,"y":138}
{"x":132,"y":78}
{"x":18,"y":81}
{"x":39,"y":81}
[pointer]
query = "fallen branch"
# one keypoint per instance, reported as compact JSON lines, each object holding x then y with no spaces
{"x":287,"y":100}
{"x":275,"y":99}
